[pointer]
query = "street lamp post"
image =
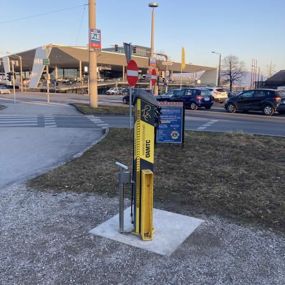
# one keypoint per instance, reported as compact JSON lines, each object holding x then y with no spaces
{"x":152,"y":5}
{"x":13,"y":80}
{"x":219,"y":68}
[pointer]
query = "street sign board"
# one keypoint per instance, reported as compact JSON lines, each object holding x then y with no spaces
{"x":153,"y":76}
{"x":171,"y":128}
{"x":46,"y":61}
{"x":132,"y":73}
{"x":128,"y":51}
{"x":95,"y":38}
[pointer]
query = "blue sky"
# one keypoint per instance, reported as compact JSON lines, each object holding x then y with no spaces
{"x":245,"y":28}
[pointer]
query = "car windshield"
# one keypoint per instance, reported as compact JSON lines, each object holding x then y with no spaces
{"x":177,"y":92}
{"x":281,"y":94}
{"x":205,"y":93}
{"x":169,"y":93}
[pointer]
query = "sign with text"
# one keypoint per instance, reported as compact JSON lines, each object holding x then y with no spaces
{"x":95,"y":38}
{"x":171,"y":127}
{"x":46,"y":61}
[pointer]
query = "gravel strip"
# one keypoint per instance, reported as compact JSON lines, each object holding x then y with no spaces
{"x":44,"y":239}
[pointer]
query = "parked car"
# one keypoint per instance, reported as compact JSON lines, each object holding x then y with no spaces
{"x":219,"y":94}
{"x":126,"y":98}
{"x":114,"y":91}
{"x":125,"y":91}
{"x":193,"y":98}
{"x":265,"y":100}
{"x":4,"y":90}
{"x":166,"y":95}
{"x":281,"y":107}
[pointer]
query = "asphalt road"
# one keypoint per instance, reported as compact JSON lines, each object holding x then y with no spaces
{"x":215,"y":120}
{"x":35,"y":138}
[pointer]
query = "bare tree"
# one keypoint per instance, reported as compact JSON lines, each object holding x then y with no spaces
{"x":233,"y":70}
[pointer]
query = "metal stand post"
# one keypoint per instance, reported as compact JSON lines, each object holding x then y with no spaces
{"x":130,"y":108}
{"x":123,"y":179}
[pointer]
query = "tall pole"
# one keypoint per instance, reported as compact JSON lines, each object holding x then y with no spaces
{"x":152,"y":5}
{"x":93,"y":92}
{"x":13,"y":80}
{"x":151,"y":42}
{"x":219,"y":72}
{"x":21,"y":72}
{"x":48,"y":80}
{"x":219,"y":68}
{"x":152,"y":34}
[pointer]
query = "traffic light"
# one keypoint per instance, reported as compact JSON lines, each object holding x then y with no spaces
{"x":116,"y":48}
{"x":134,"y":49}
{"x":9,"y":76}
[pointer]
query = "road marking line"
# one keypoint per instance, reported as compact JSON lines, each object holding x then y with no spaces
{"x":49,"y":121}
{"x":206,"y":125}
{"x":103,"y":125}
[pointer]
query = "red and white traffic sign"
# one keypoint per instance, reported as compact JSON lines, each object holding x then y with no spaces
{"x":132,"y":73}
{"x":153,"y":77}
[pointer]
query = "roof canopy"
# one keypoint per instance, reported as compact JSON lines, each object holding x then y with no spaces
{"x":69,"y":57}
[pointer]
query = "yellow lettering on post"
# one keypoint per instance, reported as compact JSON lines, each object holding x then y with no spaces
{"x":147,"y":142}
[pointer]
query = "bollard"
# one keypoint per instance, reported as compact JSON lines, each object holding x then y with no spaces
{"x":123,"y":179}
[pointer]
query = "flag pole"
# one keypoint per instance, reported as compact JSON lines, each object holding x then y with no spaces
{"x":181,"y":77}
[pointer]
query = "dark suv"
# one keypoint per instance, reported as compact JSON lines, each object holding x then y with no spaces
{"x":265,"y":100}
{"x":193,"y":98}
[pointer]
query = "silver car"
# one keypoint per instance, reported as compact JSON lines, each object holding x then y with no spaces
{"x":4,"y":90}
{"x":219,"y":94}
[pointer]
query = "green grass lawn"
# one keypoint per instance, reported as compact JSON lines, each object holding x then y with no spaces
{"x":233,"y":175}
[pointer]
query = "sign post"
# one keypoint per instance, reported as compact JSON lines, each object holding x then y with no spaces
{"x":46,"y":62}
{"x":132,"y":77}
{"x":153,"y":78}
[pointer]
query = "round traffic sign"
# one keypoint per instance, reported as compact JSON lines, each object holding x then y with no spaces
{"x":132,"y":73}
{"x":153,"y":77}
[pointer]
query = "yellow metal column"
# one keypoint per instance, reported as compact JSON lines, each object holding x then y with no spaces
{"x":146,"y":204}
{"x":137,"y":153}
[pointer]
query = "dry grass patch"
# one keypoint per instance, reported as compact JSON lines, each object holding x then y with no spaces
{"x":234,"y":175}
{"x":101,"y":110}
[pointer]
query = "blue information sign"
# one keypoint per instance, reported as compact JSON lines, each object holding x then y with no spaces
{"x":171,"y":128}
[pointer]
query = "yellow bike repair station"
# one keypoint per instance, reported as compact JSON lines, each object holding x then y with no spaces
{"x":146,"y":119}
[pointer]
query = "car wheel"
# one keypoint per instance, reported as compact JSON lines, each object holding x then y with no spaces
{"x":268,"y":110}
{"x":231,"y":108}
{"x":193,"y":106}
{"x":208,"y":107}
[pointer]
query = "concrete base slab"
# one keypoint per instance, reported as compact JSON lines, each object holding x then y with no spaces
{"x":170,"y":231}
